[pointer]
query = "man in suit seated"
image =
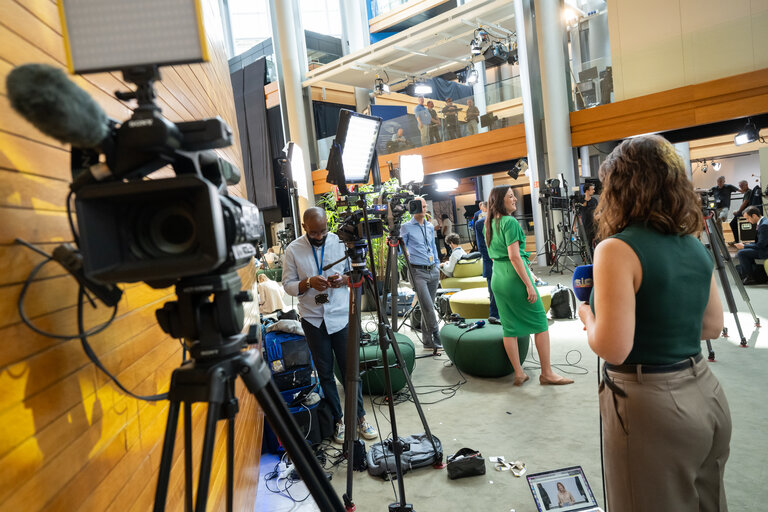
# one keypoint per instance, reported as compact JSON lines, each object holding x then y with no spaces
{"x":748,"y":253}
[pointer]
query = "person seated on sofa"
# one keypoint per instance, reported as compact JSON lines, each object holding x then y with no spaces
{"x":456,"y":253}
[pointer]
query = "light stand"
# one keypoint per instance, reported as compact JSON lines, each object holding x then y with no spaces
{"x":360,"y":276}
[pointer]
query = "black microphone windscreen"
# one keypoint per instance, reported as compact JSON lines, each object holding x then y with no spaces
{"x":44,"y":96}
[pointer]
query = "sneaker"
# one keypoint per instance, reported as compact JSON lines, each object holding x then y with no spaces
{"x":540,"y":282}
{"x":338,"y":433}
{"x":493,"y":320}
{"x":366,"y":430}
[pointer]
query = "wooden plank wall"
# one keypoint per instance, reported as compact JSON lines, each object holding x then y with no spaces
{"x":69,"y":440}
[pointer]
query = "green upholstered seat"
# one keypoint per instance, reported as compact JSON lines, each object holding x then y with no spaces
{"x":464,"y":282}
{"x":373,"y":378}
{"x":471,"y":303}
{"x":275,"y":274}
{"x":467,"y":268}
{"x":480,"y":352}
{"x":475,"y":302}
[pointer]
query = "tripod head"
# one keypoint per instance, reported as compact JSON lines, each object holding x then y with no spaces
{"x":207,"y":315}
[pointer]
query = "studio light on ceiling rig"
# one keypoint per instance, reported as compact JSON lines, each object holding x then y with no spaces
{"x":468,"y":75}
{"x":421,"y":87}
{"x":379,"y":86}
{"x":716,"y":165}
{"x":520,"y":167}
{"x":750,"y":133}
{"x":446,"y":184}
{"x":478,"y":42}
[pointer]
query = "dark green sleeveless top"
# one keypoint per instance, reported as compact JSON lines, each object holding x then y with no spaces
{"x":669,"y":306}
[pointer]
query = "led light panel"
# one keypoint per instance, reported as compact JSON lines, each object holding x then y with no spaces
{"x":110,"y":35}
{"x":359,"y":145}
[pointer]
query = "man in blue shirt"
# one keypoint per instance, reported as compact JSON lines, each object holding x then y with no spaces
{"x":419,"y":238}
{"x":324,"y":308}
{"x":424,"y":120}
{"x":479,"y":225}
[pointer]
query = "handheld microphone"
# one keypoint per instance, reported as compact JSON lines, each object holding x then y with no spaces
{"x":44,"y":96}
{"x":582,"y":282}
{"x":476,"y":325}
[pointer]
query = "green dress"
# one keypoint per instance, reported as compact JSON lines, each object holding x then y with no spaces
{"x":518,"y":316}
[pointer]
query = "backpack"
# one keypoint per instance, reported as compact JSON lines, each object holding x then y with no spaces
{"x":757,"y":196}
{"x":563,"y":303}
{"x":418,"y":453}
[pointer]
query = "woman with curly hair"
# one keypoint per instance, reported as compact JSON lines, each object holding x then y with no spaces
{"x":666,"y":420}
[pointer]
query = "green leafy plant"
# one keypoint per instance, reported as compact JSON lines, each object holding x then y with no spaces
{"x":378,"y":245}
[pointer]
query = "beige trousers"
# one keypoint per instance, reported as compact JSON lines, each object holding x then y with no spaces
{"x":666,"y":442}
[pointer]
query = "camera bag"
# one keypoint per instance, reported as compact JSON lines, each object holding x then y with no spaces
{"x":465,"y":462}
{"x":417,"y":452}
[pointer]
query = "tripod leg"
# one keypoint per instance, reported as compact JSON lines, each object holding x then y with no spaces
{"x":163,"y":476}
{"x":207,"y":457}
{"x":188,"y":476}
{"x":401,"y":363}
{"x":350,"y":377}
{"x":711,"y":353}
{"x":230,"y":463}
{"x":258,"y":380}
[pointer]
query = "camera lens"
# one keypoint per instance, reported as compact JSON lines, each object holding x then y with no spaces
{"x":172,"y":230}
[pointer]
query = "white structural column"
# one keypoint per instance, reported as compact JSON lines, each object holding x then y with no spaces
{"x":550,"y":30}
{"x":486,"y":184}
{"x":586,"y":171}
{"x":532,"y":111}
{"x":354,"y":26}
{"x":478,"y":90}
{"x":684,"y":150}
{"x":291,"y":62}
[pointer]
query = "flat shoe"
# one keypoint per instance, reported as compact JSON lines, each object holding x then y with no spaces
{"x":561,"y":381}
{"x":519,"y":382}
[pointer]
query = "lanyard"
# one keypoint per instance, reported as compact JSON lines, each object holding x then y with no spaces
{"x":423,"y":229}
{"x":319,"y":263}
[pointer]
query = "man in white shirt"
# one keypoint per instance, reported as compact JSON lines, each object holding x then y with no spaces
{"x":446,"y":228}
{"x":457,"y":252}
{"x":324,"y":308}
{"x":271,"y":258}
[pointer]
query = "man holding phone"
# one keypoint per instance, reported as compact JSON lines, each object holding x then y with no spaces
{"x":324,"y":307}
{"x":419,"y":238}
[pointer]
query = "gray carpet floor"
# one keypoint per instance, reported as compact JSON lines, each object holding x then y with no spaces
{"x":552,"y":427}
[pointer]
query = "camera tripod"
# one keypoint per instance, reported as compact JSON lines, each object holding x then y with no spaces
{"x":359,"y":276}
{"x":722,"y":260}
{"x":211,"y":330}
{"x":571,"y":244}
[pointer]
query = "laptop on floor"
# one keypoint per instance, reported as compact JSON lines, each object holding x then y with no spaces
{"x":574,"y":492}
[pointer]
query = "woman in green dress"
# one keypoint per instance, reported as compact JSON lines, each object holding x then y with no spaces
{"x":520,"y":307}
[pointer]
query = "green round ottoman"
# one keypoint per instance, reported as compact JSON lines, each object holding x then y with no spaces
{"x":373,"y":378}
{"x":471,"y":303}
{"x":464,"y":282}
{"x":481,"y":351}
{"x":468,"y":268}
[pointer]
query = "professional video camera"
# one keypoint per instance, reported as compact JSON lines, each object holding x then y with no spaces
{"x":397,"y":202}
{"x":707,"y":202}
{"x":551,"y":188}
{"x":285,"y":236}
{"x":352,"y":224}
{"x":132,"y":229}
